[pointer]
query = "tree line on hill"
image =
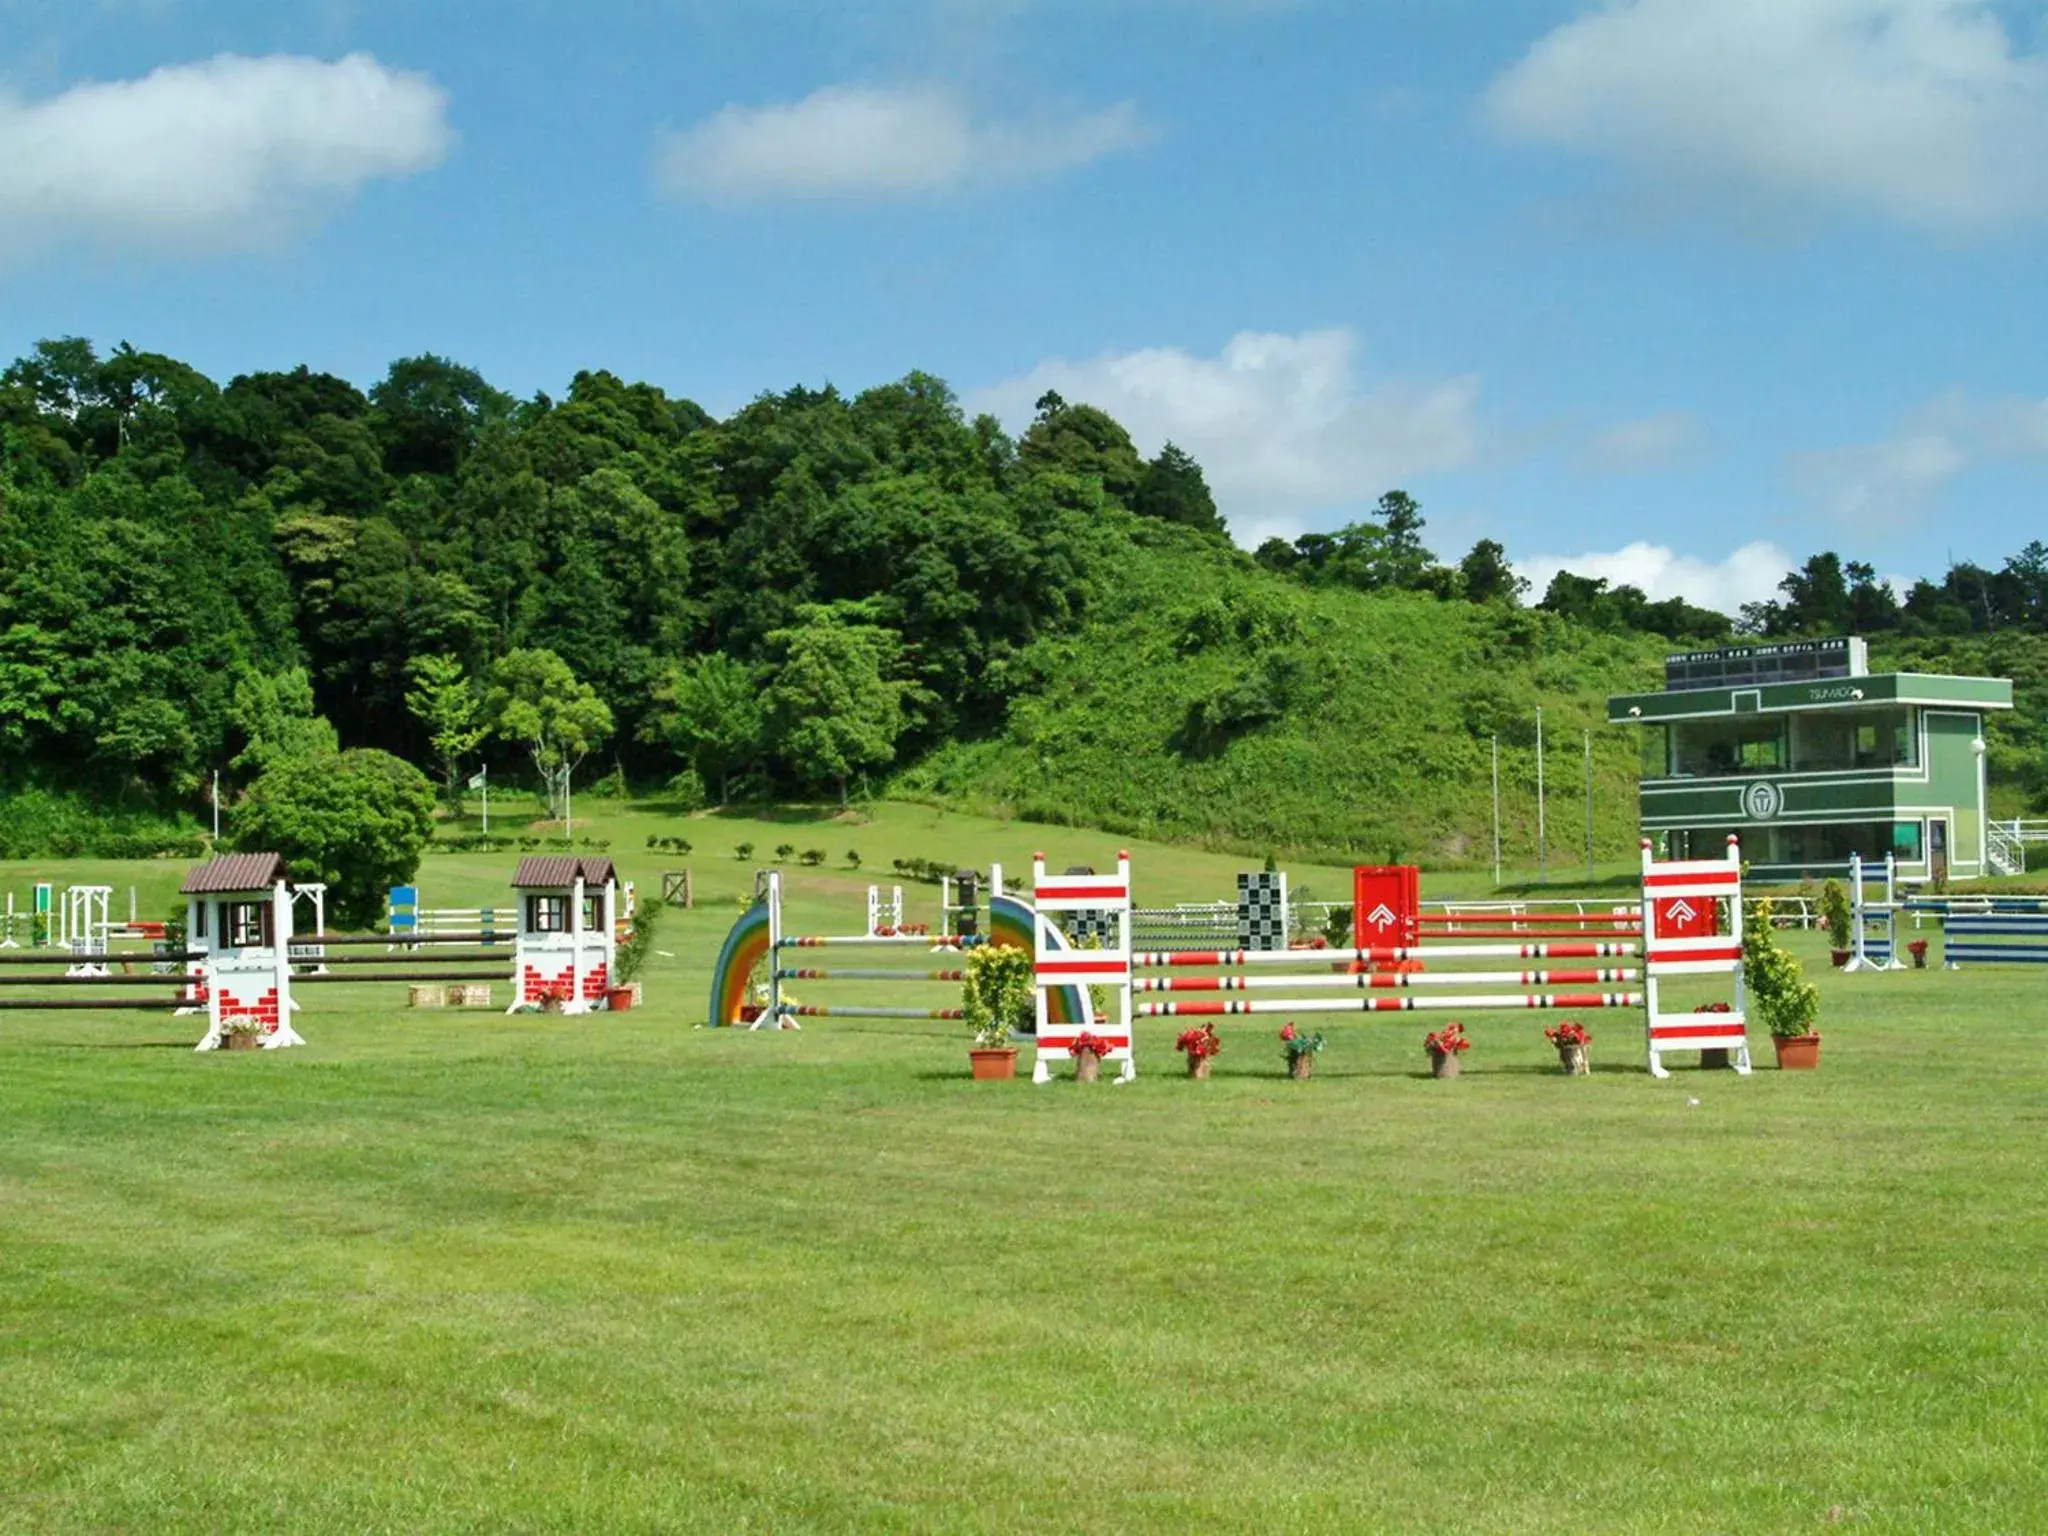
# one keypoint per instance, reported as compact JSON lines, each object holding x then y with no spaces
{"x":197,"y":577}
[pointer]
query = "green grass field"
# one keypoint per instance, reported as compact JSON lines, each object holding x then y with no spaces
{"x":458,"y":1271}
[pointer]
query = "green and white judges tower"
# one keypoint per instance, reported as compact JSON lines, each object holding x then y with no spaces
{"x":1809,"y":757}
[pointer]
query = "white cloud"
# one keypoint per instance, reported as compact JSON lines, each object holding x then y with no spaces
{"x":1879,"y":483}
{"x":1887,"y":480}
{"x":228,"y":154}
{"x":865,"y":142}
{"x":1751,"y":574}
{"x":1655,"y":442}
{"x":1280,"y":423}
{"x":1918,"y":110}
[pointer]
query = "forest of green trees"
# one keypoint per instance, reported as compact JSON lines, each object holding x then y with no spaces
{"x":796,"y":601}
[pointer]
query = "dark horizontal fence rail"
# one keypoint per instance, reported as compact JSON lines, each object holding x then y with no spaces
{"x":24,"y":1004}
{"x":55,"y":956}
{"x":352,"y":977}
{"x":99,"y":981}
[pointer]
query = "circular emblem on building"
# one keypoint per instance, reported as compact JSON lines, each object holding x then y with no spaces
{"x":1762,"y":801}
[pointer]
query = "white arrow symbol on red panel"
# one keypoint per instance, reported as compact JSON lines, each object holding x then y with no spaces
{"x":1681,"y":911}
{"x":1381,"y":916}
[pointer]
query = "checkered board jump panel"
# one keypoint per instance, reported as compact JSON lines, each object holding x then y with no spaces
{"x":1262,"y":911}
{"x":1093,"y":925}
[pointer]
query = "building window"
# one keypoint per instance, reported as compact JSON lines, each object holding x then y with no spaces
{"x":1728,"y":747}
{"x":1806,"y":845}
{"x":1656,"y":752}
{"x":1844,"y":740}
{"x":547,"y":914}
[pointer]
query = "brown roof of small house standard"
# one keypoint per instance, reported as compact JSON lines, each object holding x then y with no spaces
{"x":232,"y":872}
{"x":561,"y":871}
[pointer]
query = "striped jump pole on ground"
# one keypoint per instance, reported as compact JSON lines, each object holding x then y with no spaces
{"x":1363,"y":981}
{"x":1474,"y":1003}
{"x":868,"y":973}
{"x":878,"y":941}
{"x":835,"y":1011}
{"x":136,"y":1004}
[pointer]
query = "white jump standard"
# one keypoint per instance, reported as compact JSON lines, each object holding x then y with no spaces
{"x":1056,"y":967}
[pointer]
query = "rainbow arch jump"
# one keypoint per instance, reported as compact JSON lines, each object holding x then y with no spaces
{"x":753,"y":939}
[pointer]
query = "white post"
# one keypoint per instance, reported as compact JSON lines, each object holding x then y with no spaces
{"x":1496,"y":813}
{"x":575,"y":999}
{"x":1857,"y":959}
{"x":1589,"y":805}
{"x":216,"y":805}
{"x":487,"y":799}
{"x":1542,"y":835}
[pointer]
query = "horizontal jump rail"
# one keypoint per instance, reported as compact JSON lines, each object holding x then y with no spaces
{"x":158,"y":1005}
{"x":414,"y":976}
{"x":53,"y":955}
{"x":868,"y":973}
{"x":1473,"y":1004}
{"x":1519,"y":919}
{"x":100,"y":981}
{"x":822,"y":1011}
{"x":417,"y":940}
{"x":874,"y":940}
{"x":1215,"y":958}
{"x":1546,"y":936}
{"x":1366,"y":981}
{"x":484,"y":959}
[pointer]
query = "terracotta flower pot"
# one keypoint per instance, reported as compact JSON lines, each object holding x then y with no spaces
{"x":1840,"y":957}
{"x":1444,"y":1063}
{"x":1198,"y":1066}
{"x":1573,"y":1059}
{"x":1087,"y":1066}
{"x":1797,"y":1053}
{"x":619,"y":999}
{"x":1301,"y":1066}
{"x":993,"y":1064}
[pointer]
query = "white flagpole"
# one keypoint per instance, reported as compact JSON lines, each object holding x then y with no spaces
{"x":216,"y":805}
{"x":487,"y":799}
{"x":1542,"y":838}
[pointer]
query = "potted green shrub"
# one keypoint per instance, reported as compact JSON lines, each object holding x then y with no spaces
{"x":998,"y":1001}
{"x":631,"y":959}
{"x":1780,"y":996}
{"x":1835,"y":914}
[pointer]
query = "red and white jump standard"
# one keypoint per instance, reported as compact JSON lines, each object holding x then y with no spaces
{"x":1106,"y":967}
{"x":1682,"y":937}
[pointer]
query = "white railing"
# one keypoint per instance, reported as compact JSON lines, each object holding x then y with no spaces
{"x":2004,"y":849}
{"x":1788,"y":911}
{"x":2026,"y":831}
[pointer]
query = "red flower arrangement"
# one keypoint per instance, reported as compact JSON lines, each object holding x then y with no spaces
{"x":1568,"y":1033}
{"x":1448,"y":1041}
{"x":1715,"y":1008}
{"x":1091,"y":1044}
{"x":1199,"y":1042}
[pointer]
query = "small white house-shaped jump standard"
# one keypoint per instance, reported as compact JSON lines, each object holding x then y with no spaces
{"x":238,"y":914}
{"x":568,"y":931}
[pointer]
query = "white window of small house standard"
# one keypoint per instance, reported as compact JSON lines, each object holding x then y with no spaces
{"x":245,"y":924}
{"x":547,"y":914}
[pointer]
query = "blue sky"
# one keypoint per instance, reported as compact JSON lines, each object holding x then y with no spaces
{"x":1672,"y":290}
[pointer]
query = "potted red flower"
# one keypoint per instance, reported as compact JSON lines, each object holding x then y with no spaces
{"x":1571,"y":1040}
{"x":1088,"y":1050}
{"x":1302,"y":1049}
{"x":1200,"y":1047}
{"x":1445,"y":1046}
{"x":1918,"y":950}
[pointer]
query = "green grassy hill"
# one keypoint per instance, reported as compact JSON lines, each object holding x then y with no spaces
{"x":1208,"y":700}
